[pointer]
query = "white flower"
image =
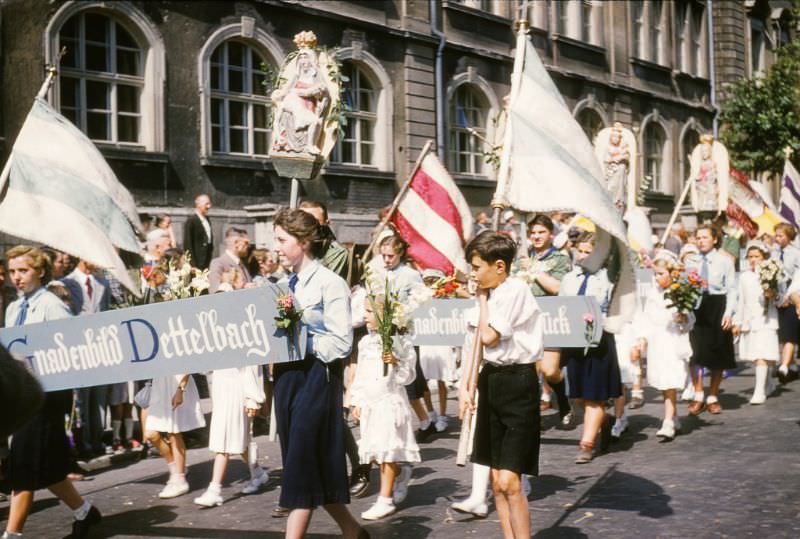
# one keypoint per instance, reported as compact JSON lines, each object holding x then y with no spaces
{"x":186,"y":271}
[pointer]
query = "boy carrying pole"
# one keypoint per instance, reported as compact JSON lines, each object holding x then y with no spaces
{"x":507,"y":430}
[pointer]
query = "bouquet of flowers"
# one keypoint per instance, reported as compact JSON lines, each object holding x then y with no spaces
{"x":684,"y":290}
{"x":446,"y":287}
{"x":392,"y":315}
{"x":769,"y":273}
{"x":288,"y":318}
{"x":183,"y":281}
{"x":588,"y":331}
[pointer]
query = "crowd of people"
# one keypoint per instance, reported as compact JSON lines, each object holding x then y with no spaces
{"x":349,"y":378}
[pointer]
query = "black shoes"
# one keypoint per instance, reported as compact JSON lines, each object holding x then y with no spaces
{"x":359,"y":482}
{"x":280,"y":512}
{"x":80,"y":528}
{"x":422,"y":435}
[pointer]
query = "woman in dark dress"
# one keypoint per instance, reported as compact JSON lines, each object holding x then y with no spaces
{"x":308,"y":392}
{"x":39,"y":456}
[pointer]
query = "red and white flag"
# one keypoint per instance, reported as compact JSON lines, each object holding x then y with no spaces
{"x":434,"y":218}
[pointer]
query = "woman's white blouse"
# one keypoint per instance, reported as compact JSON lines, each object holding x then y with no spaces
{"x":325,"y":300}
{"x":42,"y":306}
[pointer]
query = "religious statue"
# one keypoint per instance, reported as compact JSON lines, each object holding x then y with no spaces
{"x":710,"y":174}
{"x":304,"y":100}
{"x":615,"y":148}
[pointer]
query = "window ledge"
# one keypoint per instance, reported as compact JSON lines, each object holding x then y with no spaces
{"x":572,"y":42}
{"x":357,"y":172}
{"x":132,"y":154}
{"x":658,"y":196}
{"x":474,"y":180}
{"x":647,"y":64}
{"x":229,"y":161}
{"x":688,"y":76}
{"x":475,"y":12}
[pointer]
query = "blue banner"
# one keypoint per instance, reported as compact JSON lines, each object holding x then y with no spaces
{"x":201,"y":334}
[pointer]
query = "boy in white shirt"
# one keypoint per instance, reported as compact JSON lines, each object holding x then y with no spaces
{"x":507,"y":429}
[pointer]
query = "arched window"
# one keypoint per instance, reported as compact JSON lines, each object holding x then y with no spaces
{"x":357,"y":145}
{"x":591,"y":122}
{"x":102,"y":78}
{"x":654,"y":143}
{"x":111,"y":76}
{"x":468,"y":110}
{"x":239,"y":100}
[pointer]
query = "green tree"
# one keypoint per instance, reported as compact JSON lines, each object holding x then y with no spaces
{"x":762,"y":116}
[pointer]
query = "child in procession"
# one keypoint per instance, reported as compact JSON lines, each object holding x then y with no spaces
{"x":788,"y":322}
{"x":593,"y":372}
{"x":665,"y":333}
{"x":755,"y":321}
{"x":379,"y":401}
{"x":507,"y":322}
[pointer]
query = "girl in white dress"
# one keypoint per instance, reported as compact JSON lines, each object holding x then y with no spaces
{"x":757,"y":330}
{"x":236,"y":396}
{"x":174,"y":408}
{"x":381,"y":404}
{"x":665,"y":332}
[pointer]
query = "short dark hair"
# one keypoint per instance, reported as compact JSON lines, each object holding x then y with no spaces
{"x":492,"y":246}
{"x":543,"y":220}
{"x":235,"y":231}
{"x":315,"y":204}
{"x":714,"y":231}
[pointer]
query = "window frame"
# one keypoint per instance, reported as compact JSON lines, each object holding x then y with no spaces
{"x":360,"y":116}
{"x":152,"y":67}
{"x":477,"y":166}
{"x":648,"y":157}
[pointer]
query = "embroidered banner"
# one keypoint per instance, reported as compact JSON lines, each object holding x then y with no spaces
{"x":175,"y":337}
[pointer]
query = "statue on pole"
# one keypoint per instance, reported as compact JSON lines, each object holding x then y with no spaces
{"x":615,"y":148}
{"x":710,"y":174}
{"x":306,"y":105}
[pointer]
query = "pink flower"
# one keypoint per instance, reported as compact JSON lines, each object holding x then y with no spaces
{"x":588,"y":318}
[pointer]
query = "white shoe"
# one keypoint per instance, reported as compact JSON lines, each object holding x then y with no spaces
{"x":620,"y":426}
{"x":253,"y":486}
{"x":401,"y":485}
{"x":667,"y":430}
{"x":758,"y":398}
{"x":478,"y":508}
{"x":174,"y":489}
{"x":441,"y":423}
{"x":380,"y":509}
{"x":210,"y":498}
{"x":526,"y":485}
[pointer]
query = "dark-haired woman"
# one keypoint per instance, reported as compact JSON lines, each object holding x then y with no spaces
{"x":39,"y":455}
{"x":308,"y":393}
{"x":712,"y":340}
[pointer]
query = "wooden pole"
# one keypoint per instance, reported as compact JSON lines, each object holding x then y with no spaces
{"x":398,"y":198}
{"x":677,"y":209}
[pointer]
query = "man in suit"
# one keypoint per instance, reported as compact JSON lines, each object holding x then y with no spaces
{"x":90,"y":294}
{"x":198,"y":239}
{"x":237,"y":245}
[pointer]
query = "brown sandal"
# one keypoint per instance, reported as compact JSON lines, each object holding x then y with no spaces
{"x":585,"y":454}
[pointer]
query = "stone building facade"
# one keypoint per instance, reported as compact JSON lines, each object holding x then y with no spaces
{"x":172,"y":91}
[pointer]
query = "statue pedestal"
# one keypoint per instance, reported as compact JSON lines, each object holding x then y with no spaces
{"x":299,"y":167}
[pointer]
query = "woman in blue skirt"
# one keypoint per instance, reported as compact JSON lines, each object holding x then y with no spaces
{"x":308,"y":392}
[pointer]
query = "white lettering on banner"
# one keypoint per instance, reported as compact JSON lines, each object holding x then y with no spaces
{"x":101,"y":348}
{"x":558,"y":325}
{"x":431,"y":325}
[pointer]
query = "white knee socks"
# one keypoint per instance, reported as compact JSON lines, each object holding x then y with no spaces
{"x":761,"y":381}
{"x":480,"y":482}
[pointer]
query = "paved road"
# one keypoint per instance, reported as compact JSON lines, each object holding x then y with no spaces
{"x":732,"y":475}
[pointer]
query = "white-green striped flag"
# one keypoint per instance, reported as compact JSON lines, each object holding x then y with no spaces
{"x":61,"y":192}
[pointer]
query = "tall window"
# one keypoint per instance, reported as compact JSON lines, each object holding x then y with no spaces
{"x":691,"y":38}
{"x":690,"y":139}
{"x":654,"y":140}
{"x":468,"y":110}
{"x":357,"y":146}
{"x":239,"y":101}
{"x":102,"y":78}
{"x":591,"y":123}
{"x":758,"y":48}
{"x":647,"y":27}
{"x":576,"y":20}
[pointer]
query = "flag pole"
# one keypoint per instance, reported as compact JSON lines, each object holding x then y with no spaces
{"x":398,"y":198}
{"x":674,"y":216}
{"x":499,"y":200}
{"x":51,"y":75}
